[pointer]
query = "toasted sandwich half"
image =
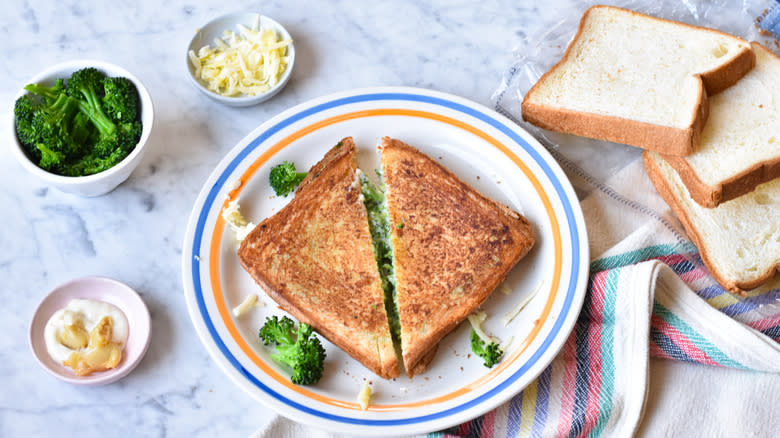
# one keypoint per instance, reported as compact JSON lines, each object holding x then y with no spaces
{"x":451,"y":248}
{"x":315,"y":259}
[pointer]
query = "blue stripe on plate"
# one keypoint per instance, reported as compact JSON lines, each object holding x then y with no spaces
{"x":215,"y":189}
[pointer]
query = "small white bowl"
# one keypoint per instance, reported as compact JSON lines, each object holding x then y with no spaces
{"x":107,"y":180}
{"x":215,"y":29}
{"x":101,"y":289}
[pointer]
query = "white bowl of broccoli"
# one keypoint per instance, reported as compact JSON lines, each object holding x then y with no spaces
{"x":81,"y":126}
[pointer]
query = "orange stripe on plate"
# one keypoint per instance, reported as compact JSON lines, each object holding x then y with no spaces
{"x":216,"y":244}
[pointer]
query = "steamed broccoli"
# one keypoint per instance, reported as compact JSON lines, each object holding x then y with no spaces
{"x":79,"y":128}
{"x":482,"y":344}
{"x":49,"y":158}
{"x":45,"y":129}
{"x":93,"y":163}
{"x":284,"y":179}
{"x":121,"y":99}
{"x":88,"y":84}
{"x":299,"y":349}
{"x":48,"y":94}
{"x":24,"y":110}
{"x":490,"y":352}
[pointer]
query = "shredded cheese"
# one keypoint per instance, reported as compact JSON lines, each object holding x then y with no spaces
{"x":364,"y":396}
{"x":504,"y":346}
{"x":247,"y":63}
{"x":249,"y":302}
{"x":507,"y":319}
{"x":504,"y":289}
{"x":476,"y":319}
{"x":238,"y":223}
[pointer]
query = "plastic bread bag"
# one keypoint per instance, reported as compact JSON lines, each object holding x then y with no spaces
{"x":588,"y":162}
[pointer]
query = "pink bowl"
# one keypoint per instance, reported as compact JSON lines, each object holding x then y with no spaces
{"x":102,"y":289}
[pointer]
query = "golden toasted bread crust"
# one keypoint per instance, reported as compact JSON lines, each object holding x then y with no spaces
{"x":422,"y":364}
{"x":664,"y":139}
{"x":451,"y":247}
{"x":663,"y":189}
{"x":315,"y":259}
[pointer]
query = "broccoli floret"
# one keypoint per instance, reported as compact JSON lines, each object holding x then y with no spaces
{"x":277,"y":330}
{"x":49,"y":94}
{"x":88,"y":86}
{"x":93,"y":163}
{"x":482,"y":344}
{"x":49,"y":158}
{"x":81,"y":129}
{"x":85,"y":85}
{"x":299,"y":349}
{"x":44,"y":129}
{"x":490,"y":352}
{"x":24,"y":109}
{"x":284,"y":179}
{"x":121,"y":99}
{"x":129,"y":133}
{"x":52,"y":123}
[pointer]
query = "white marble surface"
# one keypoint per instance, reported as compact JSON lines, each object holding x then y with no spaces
{"x":135,"y":233}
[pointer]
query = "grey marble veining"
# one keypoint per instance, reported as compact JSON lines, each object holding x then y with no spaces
{"x":135,"y":232}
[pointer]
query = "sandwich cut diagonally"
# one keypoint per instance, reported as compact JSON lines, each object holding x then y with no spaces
{"x":315,"y":259}
{"x":367,"y":269}
{"x":451,"y":248}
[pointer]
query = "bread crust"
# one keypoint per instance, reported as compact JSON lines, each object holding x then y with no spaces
{"x":711,"y":196}
{"x":737,"y":185}
{"x":454,"y":248}
{"x":314,"y":258}
{"x":619,"y":130}
{"x":423,"y":363}
{"x":664,"y":139}
{"x":662,"y":186}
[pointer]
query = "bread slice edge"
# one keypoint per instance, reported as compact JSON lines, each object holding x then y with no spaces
{"x":712,"y":195}
{"x":662,"y":187}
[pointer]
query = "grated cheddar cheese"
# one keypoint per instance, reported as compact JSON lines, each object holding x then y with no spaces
{"x":247,"y":63}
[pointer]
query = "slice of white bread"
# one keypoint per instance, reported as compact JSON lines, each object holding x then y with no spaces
{"x":635,"y":79}
{"x":740,"y":145}
{"x":739,"y":240}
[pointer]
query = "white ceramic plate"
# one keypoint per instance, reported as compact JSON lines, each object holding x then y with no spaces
{"x":484,"y":149}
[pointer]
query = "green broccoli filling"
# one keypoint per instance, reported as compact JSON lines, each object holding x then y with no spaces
{"x":379,"y":225}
